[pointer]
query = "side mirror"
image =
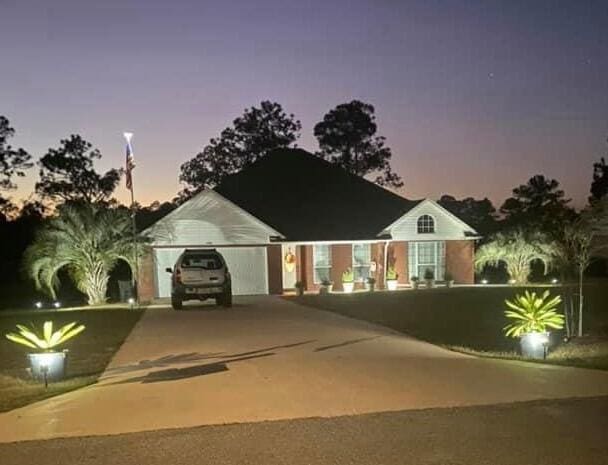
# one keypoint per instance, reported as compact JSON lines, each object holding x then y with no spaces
{"x":169,"y":270}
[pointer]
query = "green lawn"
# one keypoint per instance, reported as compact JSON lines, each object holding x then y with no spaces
{"x":89,"y":353}
{"x":471,"y":319}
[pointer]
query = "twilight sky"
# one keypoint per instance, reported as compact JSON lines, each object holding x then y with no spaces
{"x":473,"y":97}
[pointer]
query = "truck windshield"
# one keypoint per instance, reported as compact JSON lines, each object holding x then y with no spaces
{"x":205,"y":261}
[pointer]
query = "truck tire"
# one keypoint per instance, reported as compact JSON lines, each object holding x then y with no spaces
{"x":176,"y":303}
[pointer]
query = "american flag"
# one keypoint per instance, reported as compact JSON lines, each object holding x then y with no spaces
{"x":130,"y":161}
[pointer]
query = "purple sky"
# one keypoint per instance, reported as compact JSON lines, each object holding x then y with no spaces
{"x":473,"y":97}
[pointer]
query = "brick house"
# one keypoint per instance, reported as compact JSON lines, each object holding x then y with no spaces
{"x":293,"y":217}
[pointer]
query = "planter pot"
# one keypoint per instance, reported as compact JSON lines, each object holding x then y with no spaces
{"x":391,"y":284}
{"x":449,"y":283}
{"x":371,"y":287}
{"x":348,"y":287}
{"x":325,"y":289}
{"x":430,"y":283}
{"x":51,"y":364}
{"x":534,"y":345}
{"x":415,"y":284}
{"x":299,"y":291}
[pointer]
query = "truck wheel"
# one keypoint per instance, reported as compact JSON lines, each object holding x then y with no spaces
{"x":176,"y":303}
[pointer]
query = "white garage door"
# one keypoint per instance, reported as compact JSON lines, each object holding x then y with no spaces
{"x":247,"y":265}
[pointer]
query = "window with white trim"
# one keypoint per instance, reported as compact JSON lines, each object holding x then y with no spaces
{"x":427,"y":255}
{"x":426,"y":224}
{"x":321,"y":263}
{"x":362,"y":257}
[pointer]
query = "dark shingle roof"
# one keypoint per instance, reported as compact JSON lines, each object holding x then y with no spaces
{"x":306,"y":198}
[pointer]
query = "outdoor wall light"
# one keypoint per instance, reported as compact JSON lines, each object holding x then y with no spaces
{"x":57,"y":304}
{"x":38,"y":305}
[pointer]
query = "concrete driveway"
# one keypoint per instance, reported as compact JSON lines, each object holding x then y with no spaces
{"x":268,"y":358}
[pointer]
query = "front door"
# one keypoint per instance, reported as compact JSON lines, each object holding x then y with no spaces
{"x":288,"y":264}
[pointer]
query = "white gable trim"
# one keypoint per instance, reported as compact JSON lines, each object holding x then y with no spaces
{"x":181,"y":213}
{"x":423,"y":209}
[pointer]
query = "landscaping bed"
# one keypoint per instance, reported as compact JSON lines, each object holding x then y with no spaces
{"x":89,"y":354}
{"x":471,"y":319}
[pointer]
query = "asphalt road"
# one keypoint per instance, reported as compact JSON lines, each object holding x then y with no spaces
{"x":568,"y":432}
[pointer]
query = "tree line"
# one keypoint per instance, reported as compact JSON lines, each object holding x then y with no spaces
{"x":347,"y":136}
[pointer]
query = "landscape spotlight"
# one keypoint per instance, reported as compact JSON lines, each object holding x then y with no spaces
{"x":512,"y":281}
{"x":484,"y":281}
{"x":131,"y":301}
{"x":554,"y":281}
{"x":38,"y":304}
{"x":57,"y":304}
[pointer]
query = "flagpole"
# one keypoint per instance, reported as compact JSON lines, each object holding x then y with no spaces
{"x":135,"y":273}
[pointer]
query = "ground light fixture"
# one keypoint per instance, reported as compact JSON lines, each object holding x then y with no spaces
{"x":554,"y":281}
{"x":512,"y":281}
{"x":131,"y":302}
{"x":484,"y":281}
{"x":57,"y":304}
{"x":38,"y":305}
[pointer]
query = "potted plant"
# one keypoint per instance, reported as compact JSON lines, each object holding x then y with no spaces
{"x":391,"y":278}
{"x":371,"y":284}
{"x":46,"y":364}
{"x":348,"y":281}
{"x":429,"y":278}
{"x":449,"y":279}
{"x":415,"y":280}
{"x":326,"y":286}
{"x":299,"y":288}
{"x":532,"y":316}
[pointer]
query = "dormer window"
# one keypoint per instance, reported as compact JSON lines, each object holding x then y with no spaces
{"x":426,"y":224}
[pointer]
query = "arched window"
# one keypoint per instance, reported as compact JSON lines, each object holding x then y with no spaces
{"x":426,"y":224}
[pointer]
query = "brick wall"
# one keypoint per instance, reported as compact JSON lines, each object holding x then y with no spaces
{"x":341,"y":259}
{"x":275,"y":269}
{"x":459,"y":257}
{"x":146,"y":283}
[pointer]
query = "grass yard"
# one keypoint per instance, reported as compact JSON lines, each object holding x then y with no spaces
{"x":89,"y":353}
{"x":470,"y":319}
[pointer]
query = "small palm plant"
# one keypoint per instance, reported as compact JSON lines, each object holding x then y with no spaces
{"x":391,"y":273}
{"x":533,"y":314}
{"x":49,"y":339}
{"x":348,"y":276}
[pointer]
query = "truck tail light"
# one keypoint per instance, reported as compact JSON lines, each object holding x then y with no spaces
{"x":177,"y":277}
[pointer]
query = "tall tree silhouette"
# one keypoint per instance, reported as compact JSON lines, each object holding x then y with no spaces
{"x":67,"y":174}
{"x":539,"y":204}
{"x":599,"y":185}
{"x":258,"y":131}
{"x":13,"y":163}
{"x":347,"y":137}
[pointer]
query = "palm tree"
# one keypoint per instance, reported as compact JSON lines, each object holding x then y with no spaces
{"x":517,"y":251}
{"x":86,"y":239}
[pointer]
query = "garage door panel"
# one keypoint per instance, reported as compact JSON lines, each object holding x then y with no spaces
{"x":247,"y":265}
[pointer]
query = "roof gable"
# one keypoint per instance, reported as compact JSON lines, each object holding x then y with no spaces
{"x":209,"y":219}
{"x":447,"y":225}
{"x":310,"y":199}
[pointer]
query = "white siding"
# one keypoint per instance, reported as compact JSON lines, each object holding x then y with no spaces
{"x":447,"y":226}
{"x":209,"y":219}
